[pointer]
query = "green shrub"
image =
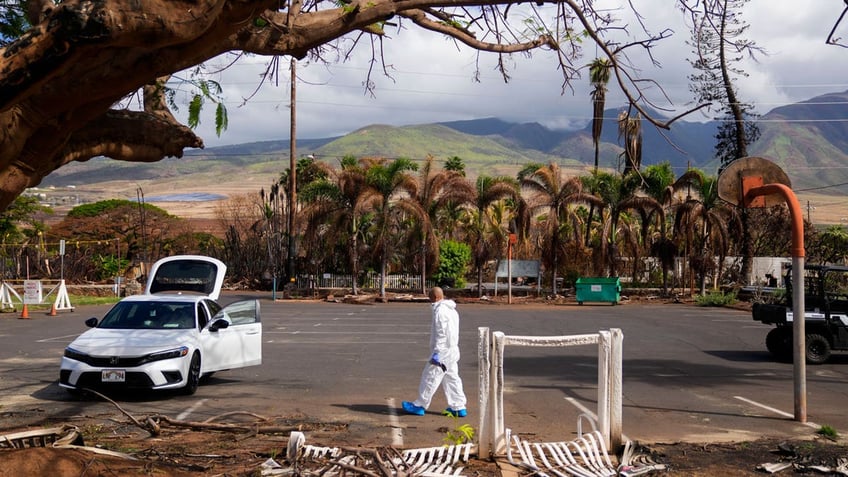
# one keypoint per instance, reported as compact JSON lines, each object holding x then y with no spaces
{"x":716,"y":298}
{"x":454,"y":258}
{"x":463,"y":434}
{"x":828,"y":431}
{"x":110,"y":266}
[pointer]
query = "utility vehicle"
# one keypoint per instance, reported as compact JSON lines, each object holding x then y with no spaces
{"x":825,"y":314}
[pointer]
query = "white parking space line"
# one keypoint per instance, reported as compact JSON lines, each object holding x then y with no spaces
{"x":774,"y":410}
{"x":188,"y":412}
{"x":394,"y":424}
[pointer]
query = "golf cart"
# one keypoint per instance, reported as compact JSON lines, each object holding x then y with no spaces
{"x":825,"y":314}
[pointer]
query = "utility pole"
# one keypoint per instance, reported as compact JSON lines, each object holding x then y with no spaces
{"x":142,"y":212}
{"x":292,"y":176}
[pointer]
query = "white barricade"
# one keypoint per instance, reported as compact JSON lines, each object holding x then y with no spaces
{"x":492,"y":430}
{"x":9,"y":297}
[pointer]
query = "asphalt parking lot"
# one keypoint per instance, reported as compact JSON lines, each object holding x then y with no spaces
{"x":689,"y":373}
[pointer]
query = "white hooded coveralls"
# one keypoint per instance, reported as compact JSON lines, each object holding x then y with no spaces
{"x":444,"y":341}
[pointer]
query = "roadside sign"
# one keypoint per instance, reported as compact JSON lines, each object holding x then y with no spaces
{"x":32,"y":292}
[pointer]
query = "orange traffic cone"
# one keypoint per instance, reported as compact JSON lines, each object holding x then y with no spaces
{"x":53,"y":310}
{"x":24,"y":313}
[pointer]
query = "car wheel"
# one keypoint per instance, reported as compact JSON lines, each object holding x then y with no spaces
{"x":818,"y":349}
{"x":193,"y":378}
{"x":779,"y":343}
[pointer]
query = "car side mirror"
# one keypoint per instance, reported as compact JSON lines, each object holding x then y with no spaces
{"x":219,"y":324}
{"x":91,"y":322}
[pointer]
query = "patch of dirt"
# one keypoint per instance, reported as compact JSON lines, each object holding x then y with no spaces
{"x":741,"y":459}
{"x":183,"y":451}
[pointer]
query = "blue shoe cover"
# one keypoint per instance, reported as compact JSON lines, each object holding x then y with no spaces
{"x":412,"y":408}
{"x":456,"y":413}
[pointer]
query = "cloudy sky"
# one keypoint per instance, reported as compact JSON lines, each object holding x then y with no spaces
{"x":432,"y":79}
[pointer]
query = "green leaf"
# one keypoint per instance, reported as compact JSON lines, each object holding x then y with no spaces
{"x":194,"y":111}
{"x":221,"y":121}
{"x":204,"y":88}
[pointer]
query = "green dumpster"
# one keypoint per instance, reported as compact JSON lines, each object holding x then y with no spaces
{"x":598,"y":289}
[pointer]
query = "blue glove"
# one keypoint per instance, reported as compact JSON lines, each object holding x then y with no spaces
{"x":434,"y":360}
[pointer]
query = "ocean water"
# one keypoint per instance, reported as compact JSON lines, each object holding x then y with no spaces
{"x":186,"y":197}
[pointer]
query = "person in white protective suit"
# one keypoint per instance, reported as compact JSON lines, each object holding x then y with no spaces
{"x":443,"y":366}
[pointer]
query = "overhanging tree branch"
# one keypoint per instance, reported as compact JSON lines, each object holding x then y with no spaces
{"x":61,"y":80}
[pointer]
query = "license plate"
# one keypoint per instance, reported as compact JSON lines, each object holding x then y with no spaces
{"x":113,"y":375}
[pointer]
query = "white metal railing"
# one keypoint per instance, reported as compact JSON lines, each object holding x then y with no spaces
{"x":397,"y":281}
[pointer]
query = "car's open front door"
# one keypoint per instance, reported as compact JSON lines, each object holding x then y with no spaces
{"x":239,"y":342}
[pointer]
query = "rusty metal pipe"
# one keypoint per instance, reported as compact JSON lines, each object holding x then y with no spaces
{"x":798,"y":329}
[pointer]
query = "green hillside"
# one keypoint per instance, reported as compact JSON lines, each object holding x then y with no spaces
{"x":802,"y":152}
{"x":806,"y":139}
{"x":417,"y":142}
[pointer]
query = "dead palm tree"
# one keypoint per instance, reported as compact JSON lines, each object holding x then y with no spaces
{"x":630,"y":131}
{"x":337,"y":205}
{"x":489,"y":190}
{"x":438,"y":190}
{"x":395,"y":202}
{"x":619,"y":194}
{"x":702,"y":219}
{"x":599,"y":75}
{"x":552,"y":197}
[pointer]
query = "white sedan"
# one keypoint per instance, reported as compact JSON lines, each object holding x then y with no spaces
{"x":170,"y":337}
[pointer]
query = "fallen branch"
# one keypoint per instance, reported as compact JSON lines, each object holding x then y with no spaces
{"x":151,"y":426}
{"x":213,"y":426}
{"x":237,"y":413}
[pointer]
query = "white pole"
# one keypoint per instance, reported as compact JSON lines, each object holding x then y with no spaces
{"x":498,"y":428}
{"x":616,"y":388}
{"x":604,"y":385}
{"x":799,"y":339}
{"x":484,"y":368}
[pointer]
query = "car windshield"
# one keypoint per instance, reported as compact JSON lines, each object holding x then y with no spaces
{"x":137,"y":315}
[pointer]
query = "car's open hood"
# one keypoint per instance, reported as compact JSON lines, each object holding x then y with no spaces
{"x":187,"y":273}
{"x":116,"y":342}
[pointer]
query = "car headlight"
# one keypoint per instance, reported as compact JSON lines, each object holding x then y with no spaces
{"x":169,"y":354}
{"x":75,"y":355}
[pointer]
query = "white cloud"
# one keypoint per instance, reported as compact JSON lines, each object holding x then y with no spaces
{"x":431,"y":78}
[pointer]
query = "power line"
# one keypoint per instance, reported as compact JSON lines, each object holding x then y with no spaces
{"x":822,"y":187}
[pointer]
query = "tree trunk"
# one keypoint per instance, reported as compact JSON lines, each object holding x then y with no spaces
{"x":383,"y":263}
{"x":355,"y":260}
{"x":480,"y":281}
{"x":61,"y":79}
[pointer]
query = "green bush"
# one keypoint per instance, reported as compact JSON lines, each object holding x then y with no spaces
{"x":454,"y":258}
{"x":716,"y":299}
{"x":828,"y":431}
{"x":110,"y":266}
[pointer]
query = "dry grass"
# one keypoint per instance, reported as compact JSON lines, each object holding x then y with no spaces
{"x":820,"y":207}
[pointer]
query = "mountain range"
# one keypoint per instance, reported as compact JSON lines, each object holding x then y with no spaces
{"x":808,"y":140}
